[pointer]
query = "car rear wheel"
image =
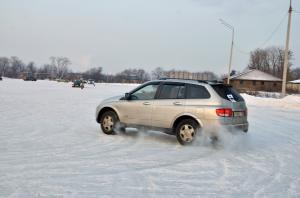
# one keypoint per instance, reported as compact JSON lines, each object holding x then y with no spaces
{"x":186,"y":131}
{"x":108,"y":122}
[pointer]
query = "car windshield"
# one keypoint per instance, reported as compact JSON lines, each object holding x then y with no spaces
{"x":227,"y":92}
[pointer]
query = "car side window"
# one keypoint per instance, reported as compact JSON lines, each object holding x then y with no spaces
{"x":197,"y":92}
{"x":172,"y":91}
{"x":145,"y":93}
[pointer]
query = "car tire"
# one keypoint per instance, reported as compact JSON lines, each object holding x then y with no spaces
{"x":186,"y":131}
{"x":108,"y":121}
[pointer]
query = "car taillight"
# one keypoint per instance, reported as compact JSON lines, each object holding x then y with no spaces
{"x":224,"y":112}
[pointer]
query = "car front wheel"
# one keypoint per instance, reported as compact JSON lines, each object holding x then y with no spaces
{"x":108,"y":122}
{"x":186,"y":131}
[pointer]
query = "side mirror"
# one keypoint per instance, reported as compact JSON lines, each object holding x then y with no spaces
{"x":127,"y":96}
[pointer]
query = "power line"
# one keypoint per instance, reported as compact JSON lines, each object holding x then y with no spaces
{"x":267,"y":39}
{"x":274,"y":31}
{"x":240,"y":50}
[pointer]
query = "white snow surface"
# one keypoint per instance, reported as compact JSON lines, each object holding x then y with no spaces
{"x":51,"y":146}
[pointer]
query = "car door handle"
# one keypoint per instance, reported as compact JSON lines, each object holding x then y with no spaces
{"x":177,"y":103}
{"x":146,"y":103}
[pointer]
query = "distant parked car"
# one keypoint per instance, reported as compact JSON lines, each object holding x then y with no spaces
{"x":29,"y":78}
{"x":78,"y":83}
{"x":91,"y":82}
{"x":177,"y":107}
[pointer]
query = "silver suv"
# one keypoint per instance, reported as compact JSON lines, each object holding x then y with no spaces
{"x":177,"y":107}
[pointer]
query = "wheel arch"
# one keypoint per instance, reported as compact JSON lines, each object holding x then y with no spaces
{"x":186,"y":116}
{"x":105,"y":109}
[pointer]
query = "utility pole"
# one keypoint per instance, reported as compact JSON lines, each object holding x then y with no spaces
{"x":286,"y":52}
{"x":231,"y":49}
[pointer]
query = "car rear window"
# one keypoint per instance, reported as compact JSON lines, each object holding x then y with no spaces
{"x":228,"y":93}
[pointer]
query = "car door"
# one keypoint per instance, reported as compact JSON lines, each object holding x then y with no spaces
{"x":137,"y":109}
{"x":198,"y":102}
{"x":169,"y":103}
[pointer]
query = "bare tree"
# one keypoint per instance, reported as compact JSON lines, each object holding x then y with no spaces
{"x":94,"y":73}
{"x":132,"y":75}
{"x":142,"y":75}
{"x":157,"y":73}
{"x":31,"y":69}
{"x":269,"y":60}
{"x":259,"y":60}
{"x":295,"y":73}
{"x":61,"y":64}
{"x":48,"y":71}
{"x":4,"y":65}
{"x":16,"y":67}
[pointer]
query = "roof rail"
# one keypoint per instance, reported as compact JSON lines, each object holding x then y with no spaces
{"x":166,"y":78}
{"x":200,"y":81}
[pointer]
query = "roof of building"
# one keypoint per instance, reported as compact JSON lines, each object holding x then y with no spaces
{"x":255,"y":74}
{"x":295,"y":81}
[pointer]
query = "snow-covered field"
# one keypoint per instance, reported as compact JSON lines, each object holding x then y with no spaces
{"x":51,"y":146}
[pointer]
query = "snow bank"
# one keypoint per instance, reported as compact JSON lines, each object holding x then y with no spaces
{"x":290,"y":101}
{"x":295,"y":81}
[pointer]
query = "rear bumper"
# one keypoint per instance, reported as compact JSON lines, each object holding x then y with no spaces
{"x":237,"y":127}
{"x":216,"y":127}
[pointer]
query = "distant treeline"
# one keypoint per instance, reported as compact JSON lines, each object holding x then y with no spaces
{"x":59,"y":68}
{"x":269,"y":60}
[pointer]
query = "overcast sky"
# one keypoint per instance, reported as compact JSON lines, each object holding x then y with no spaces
{"x":118,"y":34}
